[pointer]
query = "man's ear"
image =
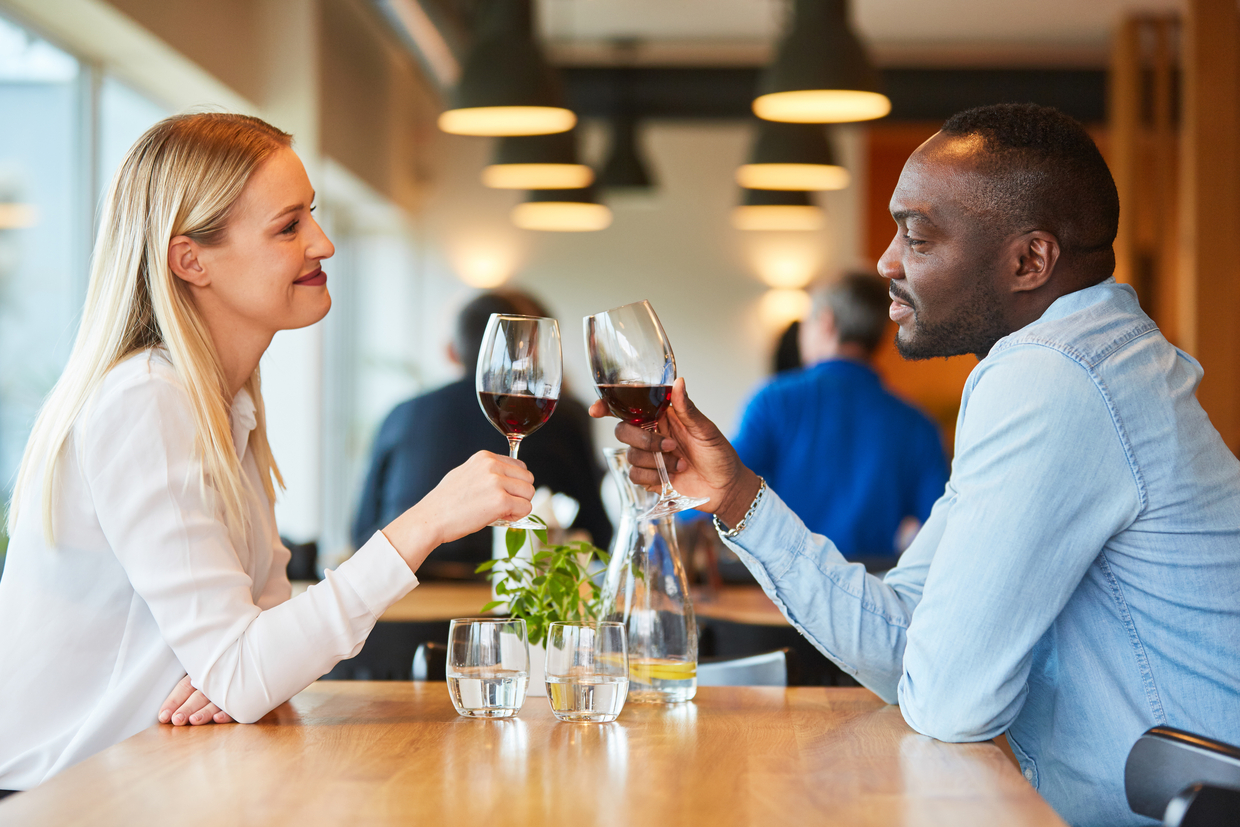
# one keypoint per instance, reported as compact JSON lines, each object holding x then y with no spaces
{"x":1035,"y":255}
{"x":184,"y":262}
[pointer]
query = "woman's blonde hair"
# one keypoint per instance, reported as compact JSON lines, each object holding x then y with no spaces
{"x":181,"y":178}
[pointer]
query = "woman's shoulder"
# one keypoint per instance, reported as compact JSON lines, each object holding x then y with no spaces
{"x":138,"y":381}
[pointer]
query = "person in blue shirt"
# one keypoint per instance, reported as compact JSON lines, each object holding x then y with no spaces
{"x":1077,"y":582}
{"x":849,"y":458}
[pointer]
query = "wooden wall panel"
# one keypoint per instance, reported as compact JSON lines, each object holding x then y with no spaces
{"x":1210,"y":206}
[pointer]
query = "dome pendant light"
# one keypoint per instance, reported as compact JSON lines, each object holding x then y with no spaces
{"x":538,"y":162}
{"x":507,"y":87}
{"x":821,"y":73}
{"x":625,"y":168}
{"x":565,"y":211}
{"x":777,"y":210}
{"x":792,"y":156}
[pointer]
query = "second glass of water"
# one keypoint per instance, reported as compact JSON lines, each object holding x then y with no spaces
{"x":587,"y":670}
{"x":488,"y":667}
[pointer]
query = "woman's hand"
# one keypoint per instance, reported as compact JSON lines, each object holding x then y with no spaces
{"x":700,"y":460}
{"x":488,"y":487}
{"x":187,"y":705}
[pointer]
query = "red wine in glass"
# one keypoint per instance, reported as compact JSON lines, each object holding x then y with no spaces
{"x":639,"y":405}
{"x":518,"y":379}
{"x":516,"y":414}
{"x":633,"y":368}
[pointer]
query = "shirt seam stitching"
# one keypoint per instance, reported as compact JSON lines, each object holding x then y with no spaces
{"x":1152,"y":696}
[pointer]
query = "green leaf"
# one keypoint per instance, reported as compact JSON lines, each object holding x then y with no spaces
{"x":502,"y":588}
{"x":494,"y":604}
{"x":514,"y":538}
{"x":487,"y":566}
{"x":541,"y":534}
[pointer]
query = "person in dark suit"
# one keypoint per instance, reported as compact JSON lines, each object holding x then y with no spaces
{"x":424,"y":437}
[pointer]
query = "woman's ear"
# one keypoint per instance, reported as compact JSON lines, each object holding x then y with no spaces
{"x":184,"y":262}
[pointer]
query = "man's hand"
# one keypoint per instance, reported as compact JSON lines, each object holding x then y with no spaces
{"x":700,"y":460}
{"x":187,"y":705}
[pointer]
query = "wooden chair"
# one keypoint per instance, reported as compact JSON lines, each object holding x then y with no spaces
{"x":1184,"y":779}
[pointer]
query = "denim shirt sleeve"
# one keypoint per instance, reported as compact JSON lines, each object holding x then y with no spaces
{"x":1041,"y":479}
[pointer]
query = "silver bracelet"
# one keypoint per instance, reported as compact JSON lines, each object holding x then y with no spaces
{"x":753,"y":506}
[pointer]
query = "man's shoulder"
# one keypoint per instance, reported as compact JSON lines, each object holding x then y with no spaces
{"x":447,"y":400}
{"x":1087,"y":326}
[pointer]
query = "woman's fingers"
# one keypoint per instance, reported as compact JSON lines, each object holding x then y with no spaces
{"x":206,"y":715}
{"x":192,"y":705}
{"x":179,"y":695}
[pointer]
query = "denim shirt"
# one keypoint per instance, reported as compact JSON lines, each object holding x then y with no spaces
{"x":1079,"y":580}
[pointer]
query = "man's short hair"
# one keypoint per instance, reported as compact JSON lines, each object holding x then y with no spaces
{"x":859,"y":303}
{"x":1047,"y":174}
{"x":471,"y":322}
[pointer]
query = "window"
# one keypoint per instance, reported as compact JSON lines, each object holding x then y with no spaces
{"x":47,"y":212}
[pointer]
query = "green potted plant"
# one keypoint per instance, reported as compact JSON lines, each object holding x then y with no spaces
{"x":553,"y":583}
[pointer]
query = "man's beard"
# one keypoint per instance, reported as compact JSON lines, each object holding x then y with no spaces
{"x":976,"y":326}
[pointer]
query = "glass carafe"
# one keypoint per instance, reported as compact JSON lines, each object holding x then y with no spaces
{"x":646,"y":590}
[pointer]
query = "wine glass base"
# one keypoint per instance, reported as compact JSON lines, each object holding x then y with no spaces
{"x":671,"y":505}
{"x":524,"y":522}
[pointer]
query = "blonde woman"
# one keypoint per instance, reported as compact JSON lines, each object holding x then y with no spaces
{"x":145,"y":577}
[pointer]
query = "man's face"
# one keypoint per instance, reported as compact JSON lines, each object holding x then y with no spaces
{"x":945,"y":259}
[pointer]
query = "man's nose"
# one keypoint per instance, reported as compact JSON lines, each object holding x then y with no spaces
{"x":889,"y":266}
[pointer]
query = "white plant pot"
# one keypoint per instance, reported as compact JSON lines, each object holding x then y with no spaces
{"x":538,"y":672}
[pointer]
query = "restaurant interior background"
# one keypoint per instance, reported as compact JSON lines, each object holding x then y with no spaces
{"x":360,"y":83}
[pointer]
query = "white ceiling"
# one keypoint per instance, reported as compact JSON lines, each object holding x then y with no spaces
{"x":995,"y":32}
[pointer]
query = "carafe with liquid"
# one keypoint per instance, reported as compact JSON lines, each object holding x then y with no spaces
{"x":646,"y":589}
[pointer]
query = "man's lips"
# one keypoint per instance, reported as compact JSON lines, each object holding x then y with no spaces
{"x":901,"y":309}
{"x":314,"y":278}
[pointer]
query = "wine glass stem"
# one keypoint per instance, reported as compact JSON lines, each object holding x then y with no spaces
{"x":668,"y":491}
{"x":513,"y":446}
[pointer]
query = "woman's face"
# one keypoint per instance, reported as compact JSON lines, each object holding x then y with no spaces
{"x":266,"y":276}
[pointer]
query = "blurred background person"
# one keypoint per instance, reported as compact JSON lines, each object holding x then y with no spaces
{"x":852,"y":460}
{"x":787,"y":355}
{"x":425,"y":436}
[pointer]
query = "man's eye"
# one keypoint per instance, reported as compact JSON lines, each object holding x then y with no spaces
{"x":913,"y":242}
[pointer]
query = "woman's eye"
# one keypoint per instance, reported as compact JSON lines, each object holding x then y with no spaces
{"x":291,"y":228}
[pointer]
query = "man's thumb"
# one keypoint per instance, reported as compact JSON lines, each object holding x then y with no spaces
{"x":684,"y":407}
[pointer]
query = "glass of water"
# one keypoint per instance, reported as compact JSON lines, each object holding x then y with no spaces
{"x":587,"y":670}
{"x":488,"y":666}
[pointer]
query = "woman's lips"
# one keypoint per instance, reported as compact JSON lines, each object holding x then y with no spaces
{"x":313,"y":279}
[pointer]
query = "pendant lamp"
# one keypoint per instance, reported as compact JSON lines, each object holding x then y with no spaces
{"x":537,"y":162}
{"x":792,"y":156}
{"x":821,"y":73}
{"x":777,"y":210}
{"x":506,"y":87}
{"x":625,"y":168}
{"x":565,"y":211}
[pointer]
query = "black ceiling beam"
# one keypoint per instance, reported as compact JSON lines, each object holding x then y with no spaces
{"x":916,"y":94}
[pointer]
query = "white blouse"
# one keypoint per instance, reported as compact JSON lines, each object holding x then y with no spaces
{"x":145,"y":584}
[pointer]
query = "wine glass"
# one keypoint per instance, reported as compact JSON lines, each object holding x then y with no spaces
{"x":633,"y":368}
{"x":518,"y":381}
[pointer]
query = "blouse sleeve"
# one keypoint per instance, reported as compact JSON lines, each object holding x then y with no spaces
{"x":137,"y":451}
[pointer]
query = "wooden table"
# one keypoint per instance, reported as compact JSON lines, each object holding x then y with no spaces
{"x":396,"y":753}
{"x":444,"y":600}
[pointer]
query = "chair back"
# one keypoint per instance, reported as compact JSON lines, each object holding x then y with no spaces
{"x":766,"y":669}
{"x":430,"y":662}
{"x":1202,"y":805}
{"x":1165,"y":761}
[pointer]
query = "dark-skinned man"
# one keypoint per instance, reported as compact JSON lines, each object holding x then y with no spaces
{"x":1078,"y":581}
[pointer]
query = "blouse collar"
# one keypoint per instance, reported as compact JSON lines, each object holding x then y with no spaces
{"x":243,"y":420}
